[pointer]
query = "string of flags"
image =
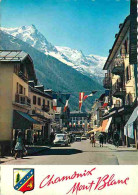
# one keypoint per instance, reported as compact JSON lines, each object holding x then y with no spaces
{"x":106,"y":98}
{"x":67,"y":102}
{"x":82,"y":98}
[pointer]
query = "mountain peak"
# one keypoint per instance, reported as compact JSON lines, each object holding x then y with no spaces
{"x":90,"y":65}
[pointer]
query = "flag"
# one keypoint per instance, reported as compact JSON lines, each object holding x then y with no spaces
{"x":105,"y":102}
{"x":67,"y":102}
{"x":81,"y":97}
{"x":55,"y":102}
{"x":91,"y":94}
{"x":106,"y":98}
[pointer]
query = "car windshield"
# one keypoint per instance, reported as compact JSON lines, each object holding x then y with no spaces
{"x":60,"y":136}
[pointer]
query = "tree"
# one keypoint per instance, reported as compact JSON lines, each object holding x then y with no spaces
{"x":17,"y":178}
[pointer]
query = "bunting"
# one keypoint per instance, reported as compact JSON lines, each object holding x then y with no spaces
{"x":91,"y":94}
{"x":106,"y":98}
{"x":81,"y":97}
{"x":67,"y":102}
{"x":55,"y":102}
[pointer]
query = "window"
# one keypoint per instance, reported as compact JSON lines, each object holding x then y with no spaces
{"x":118,"y":102}
{"x":128,"y":73}
{"x":47,"y":103}
{"x":51,"y":104}
{"x":17,"y":88}
{"x":129,"y":99}
{"x":20,"y":89}
{"x":44,"y":102}
{"x":24,"y":91}
{"x":34,"y":100}
{"x":39,"y":101}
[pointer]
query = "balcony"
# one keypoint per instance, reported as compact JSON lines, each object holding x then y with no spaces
{"x":40,"y":113}
{"x":45,"y":108}
{"x":118,"y":66}
{"x":22,"y":76}
{"x":22,"y":99}
{"x":107,"y":81}
{"x":118,"y":90}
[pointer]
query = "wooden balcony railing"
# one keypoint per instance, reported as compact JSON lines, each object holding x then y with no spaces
{"x":45,"y":108}
{"x":22,"y":99}
{"x":22,"y":76}
{"x":118,"y":89}
{"x":118,"y":66}
{"x":107,"y":81}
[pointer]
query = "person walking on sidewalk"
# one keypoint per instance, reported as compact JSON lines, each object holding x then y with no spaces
{"x":93,"y":139}
{"x":101,"y":139}
{"x":116,"y":139}
{"x":19,"y":147}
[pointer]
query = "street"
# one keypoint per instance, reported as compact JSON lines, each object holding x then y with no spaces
{"x":80,"y":153}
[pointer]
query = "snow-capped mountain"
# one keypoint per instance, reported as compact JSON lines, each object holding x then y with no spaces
{"x":90,"y":65}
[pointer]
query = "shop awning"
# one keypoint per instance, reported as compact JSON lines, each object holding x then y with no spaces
{"x":128,"y":128}
{"x":133,"y":116}
{"x":29,"y":118}
{"x":22,"y":120}
{"x":108,"y":124}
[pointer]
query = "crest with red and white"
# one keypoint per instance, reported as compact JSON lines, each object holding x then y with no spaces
{"x":67,"y":102}
{"x":91,"y":94}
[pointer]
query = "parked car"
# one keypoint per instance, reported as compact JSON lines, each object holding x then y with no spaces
{"x":78,"y":138}
{"x":83,"y":137}
{"x":61,"y":139}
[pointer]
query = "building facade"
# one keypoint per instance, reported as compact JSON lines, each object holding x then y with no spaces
{"x":120,"y":81}
{"x":79,"y":121}
{"x":16,"y":68}
{"x":42,"y":111}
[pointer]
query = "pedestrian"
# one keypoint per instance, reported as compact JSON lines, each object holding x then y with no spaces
{"x":116,"y":139}
{"x":19,"y":147}
{"x":93,"y":139}
{"x":101,"y":139}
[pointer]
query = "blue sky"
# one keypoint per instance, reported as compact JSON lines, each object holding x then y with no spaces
{"x":87,"y":25}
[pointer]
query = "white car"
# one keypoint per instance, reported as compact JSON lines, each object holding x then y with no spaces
{"x":61,"y":139}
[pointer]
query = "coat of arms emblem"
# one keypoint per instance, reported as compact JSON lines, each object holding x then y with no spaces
{"x":23,"y":179}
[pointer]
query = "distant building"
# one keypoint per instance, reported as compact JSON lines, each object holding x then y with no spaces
{"x":41,"y":110}
{"x":79,"y":121}
{"x":97,"y":113}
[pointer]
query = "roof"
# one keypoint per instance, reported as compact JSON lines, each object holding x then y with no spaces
{"x":19,"y":56}
{"x":120,"y":36}
{"x":44,"y":94}
{"x":12,"y":55}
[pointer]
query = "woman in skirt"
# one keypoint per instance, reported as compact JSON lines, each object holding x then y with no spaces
{"x":19,"y":145}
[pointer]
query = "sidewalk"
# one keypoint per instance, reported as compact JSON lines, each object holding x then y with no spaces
{"x":120,"y":148}
{"x":31,"y":150}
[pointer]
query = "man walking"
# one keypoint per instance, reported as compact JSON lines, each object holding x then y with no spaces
{"x":101,"y":139}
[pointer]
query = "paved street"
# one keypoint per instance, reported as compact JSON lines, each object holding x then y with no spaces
{"x":80,"y":153}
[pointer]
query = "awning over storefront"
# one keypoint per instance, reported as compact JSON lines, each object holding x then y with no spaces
{"x":108,"y":124}
{"x":128,"y":129}
{"x":22,"y":120}
{"x":104,"y":124}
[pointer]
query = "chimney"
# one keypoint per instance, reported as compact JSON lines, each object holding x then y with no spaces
{"x":31,"y":83}
{"x":40,"y":87}
{"x":49,"y":91}
{"x":120,"y":25}
{"x":116,"y":35}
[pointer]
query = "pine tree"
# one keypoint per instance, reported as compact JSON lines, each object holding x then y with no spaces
{"x":17,"y":178}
